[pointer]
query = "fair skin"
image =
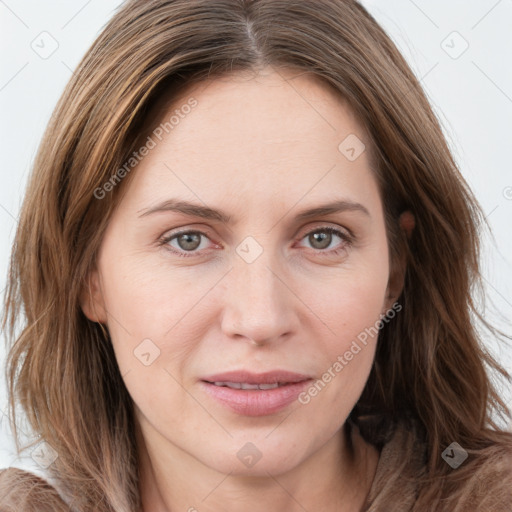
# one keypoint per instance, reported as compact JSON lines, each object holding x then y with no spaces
{"x":262,"y":150}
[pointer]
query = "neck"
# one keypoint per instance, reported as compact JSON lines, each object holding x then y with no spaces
{"x":337,"y":478}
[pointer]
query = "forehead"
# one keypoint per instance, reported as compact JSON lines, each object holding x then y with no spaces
{"x":276,"y":133}
{"x":272,"y":104}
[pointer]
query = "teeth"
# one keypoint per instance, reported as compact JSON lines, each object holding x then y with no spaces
{"x":268,"y":386}
{"x":233,"y":385}
{"x":248,"y":386}
{"x":243,"y":385}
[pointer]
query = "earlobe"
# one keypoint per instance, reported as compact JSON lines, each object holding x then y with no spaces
{"x":91,"y":298}
{"x":395,"y":287}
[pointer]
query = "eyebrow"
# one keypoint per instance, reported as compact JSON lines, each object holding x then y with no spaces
{"x":204,"y":212}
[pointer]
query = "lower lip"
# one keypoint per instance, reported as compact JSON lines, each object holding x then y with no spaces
{"x":256,"y":402}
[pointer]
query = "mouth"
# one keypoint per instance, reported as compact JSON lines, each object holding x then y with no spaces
{"x":245,"y":377}
{"x":251,"y":394}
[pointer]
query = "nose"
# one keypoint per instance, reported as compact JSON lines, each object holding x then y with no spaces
{"x":259,"y":304}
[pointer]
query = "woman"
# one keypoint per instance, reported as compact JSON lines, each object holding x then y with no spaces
{"x":245,"y":257}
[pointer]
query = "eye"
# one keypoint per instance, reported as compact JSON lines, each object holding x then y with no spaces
{"x":191,"y":243}
{"x":322,"y":238}
{"x":184,"y":242}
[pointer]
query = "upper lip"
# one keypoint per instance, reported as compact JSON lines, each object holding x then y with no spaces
{"x":245,"y":376}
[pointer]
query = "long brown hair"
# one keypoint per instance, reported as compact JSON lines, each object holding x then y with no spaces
{"x":430,"y":364}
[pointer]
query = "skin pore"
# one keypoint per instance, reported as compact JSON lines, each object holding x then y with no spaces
{"x":261,"y":149}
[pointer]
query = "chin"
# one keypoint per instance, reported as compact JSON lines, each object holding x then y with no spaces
{"x":256,"y":458}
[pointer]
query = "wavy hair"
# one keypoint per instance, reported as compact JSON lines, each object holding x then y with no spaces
{"x":430,"y":363}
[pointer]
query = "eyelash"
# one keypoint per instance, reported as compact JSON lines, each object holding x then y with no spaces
{"x":348,"y":240}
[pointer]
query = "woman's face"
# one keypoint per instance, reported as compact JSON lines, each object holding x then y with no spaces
{"x":212,"y":264}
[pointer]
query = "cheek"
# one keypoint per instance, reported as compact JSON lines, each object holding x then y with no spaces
{"x":144,"y":304}
{"x":147,"y":307}
{"x":347,"y":357}
{"x":352,"y":306}
{"x":147,"y":295}
{"x":355,"y":298}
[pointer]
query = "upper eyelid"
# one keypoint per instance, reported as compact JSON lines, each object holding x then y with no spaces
{"x":306,"y":231}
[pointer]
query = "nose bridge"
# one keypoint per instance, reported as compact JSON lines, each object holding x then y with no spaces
{"x":257,"y":282}
{"x":257,"y":304}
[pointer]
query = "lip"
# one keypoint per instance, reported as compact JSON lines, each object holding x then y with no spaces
{"x":256,"y":402}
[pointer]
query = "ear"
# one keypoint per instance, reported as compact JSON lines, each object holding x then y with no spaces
{"x":91,"y":298}
{"x":406,"y":222}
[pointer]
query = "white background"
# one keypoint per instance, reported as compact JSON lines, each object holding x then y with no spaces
{"x":471,"y":94}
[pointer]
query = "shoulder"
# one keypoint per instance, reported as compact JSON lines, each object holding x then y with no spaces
{"x":22,"y":491}
{"x":488,"y":484}
{"x":482,"y":483}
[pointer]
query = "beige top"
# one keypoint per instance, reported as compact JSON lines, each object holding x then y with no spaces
{"x":397,"y":485}
{"x":401,"y":461}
